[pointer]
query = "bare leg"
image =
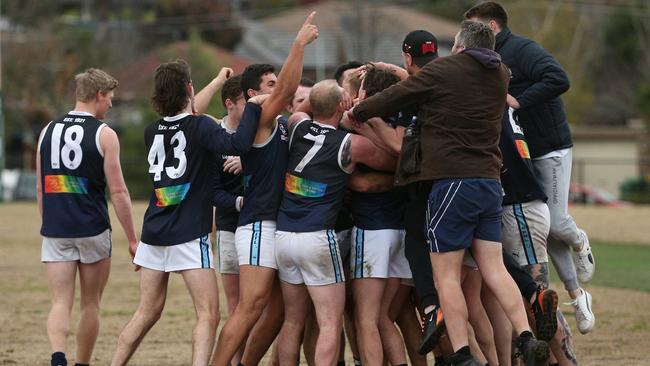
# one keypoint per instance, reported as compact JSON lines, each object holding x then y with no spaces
{"x":153,"y":292}
{"x":446,"y":276}
{"x":348,"y":317}
{"x":562,"y":343}
{"x":61,"y":281}
{"x":230,"y":286}
{"x":329,"y":301}
{"x":390,"y":337}
{"x":490,"y":261}
{"x":202,"y":284}
{"x":368,"y":294}
{"x":311,"y":335}
{"x":501,"y":326}
{"x":407,"y":320}
{"x":477,"y":316}
{"x":266,"y":329}
{"x":255,"y":285}
{"x":297,"y":304}
{"x":92,"y":279}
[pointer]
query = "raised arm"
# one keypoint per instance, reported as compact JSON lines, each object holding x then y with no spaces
{"x":288,"y":79}
{"x":203,"y":98}
{"x":216,"y":139}
{"x":116,"y":185}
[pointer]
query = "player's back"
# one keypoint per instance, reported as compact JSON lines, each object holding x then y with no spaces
{"x":72,"y":177}
{"x":315,"y":180}
{"x":182,"y":171}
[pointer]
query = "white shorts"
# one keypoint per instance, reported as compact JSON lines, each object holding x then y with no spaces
{"x":195,"y":254}
{"x":255,"y":244}
{"x":228,"y":261}
{"x":85,"y":250}
{"x":378,"y":254}
{"x":311,"y":258}
{"x":524,"y":231}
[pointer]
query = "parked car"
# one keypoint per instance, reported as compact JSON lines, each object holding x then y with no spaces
{"x":584,"y":194}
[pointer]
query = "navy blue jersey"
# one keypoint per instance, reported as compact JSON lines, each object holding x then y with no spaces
{"x":182,"y":160}
{"x":263,"y":170}
{"x":72,"y":177}
{"x":379,"y":211}
{"x":227,"y":187}
{"x":517,"y":177}
{"x":382,"y":210}
{"x":315,"y":180}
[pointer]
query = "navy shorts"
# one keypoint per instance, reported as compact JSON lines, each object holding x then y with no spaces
{"x":460,"y":210}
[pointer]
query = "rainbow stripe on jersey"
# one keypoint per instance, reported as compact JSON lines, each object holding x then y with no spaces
{"x":522,"y":147}
{"x":172,"y":195}
{"x":66,"y":184}
{"x":304,"y":187}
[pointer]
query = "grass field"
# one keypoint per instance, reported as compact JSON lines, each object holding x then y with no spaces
{"x":621,"y":290}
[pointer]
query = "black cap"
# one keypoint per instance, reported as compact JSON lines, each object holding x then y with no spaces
{"x":422,"y":46}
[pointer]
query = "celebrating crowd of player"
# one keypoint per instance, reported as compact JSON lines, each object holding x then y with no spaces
{"x":386,"y":193}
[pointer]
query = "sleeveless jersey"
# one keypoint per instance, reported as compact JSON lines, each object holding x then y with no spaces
{"x":315,"y":181}
{"x":263,"y":170}
{"x":181,"y":151}
{"x":227,"y":187}
{"x":72,"y":177}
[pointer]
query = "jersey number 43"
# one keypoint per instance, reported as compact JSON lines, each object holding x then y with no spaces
{"x":157,"y":157}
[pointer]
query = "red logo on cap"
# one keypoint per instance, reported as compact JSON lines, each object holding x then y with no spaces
{"x":428,"y":47}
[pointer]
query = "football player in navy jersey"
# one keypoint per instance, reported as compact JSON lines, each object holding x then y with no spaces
{"x":228,"y":198}
{"x":182,"y":149}
{"x":377,"y":262}
{"x":263,"y":170}
{"x":320,"y":159}
{"x":77,"y":157}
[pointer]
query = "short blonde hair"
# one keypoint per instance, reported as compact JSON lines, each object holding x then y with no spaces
{"x":92,"y":81}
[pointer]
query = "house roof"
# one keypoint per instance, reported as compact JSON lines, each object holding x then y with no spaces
{"x":347,"y":30}
{"x":135,"y":77}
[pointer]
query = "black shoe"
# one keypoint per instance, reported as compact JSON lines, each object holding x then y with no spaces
{"x":545,"y":311}
{"x":434,"y":325}
{"x":461,"y":360}
{"x":534,"y":352}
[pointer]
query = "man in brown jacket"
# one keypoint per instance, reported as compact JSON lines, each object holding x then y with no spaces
{"x":455,"y":144}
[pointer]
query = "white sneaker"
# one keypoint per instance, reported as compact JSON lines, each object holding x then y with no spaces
{"x":584,"y":260}
{"x":584,"y":316}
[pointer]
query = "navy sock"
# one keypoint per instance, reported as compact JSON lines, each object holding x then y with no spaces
{"x":58,"y":359}
{"x":463,"y":351}
{"x":340,"y":363}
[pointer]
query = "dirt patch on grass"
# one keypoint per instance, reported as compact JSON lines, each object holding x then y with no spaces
{"x":614,"y":224}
